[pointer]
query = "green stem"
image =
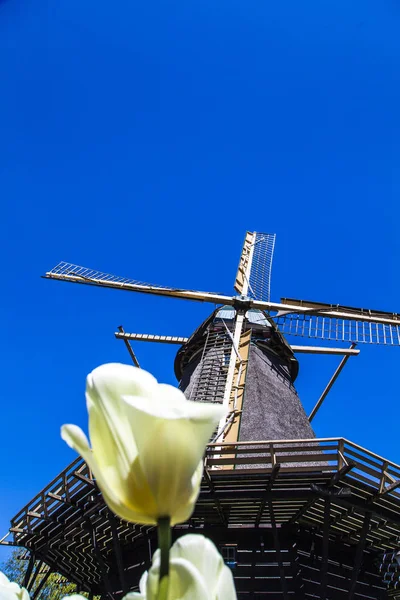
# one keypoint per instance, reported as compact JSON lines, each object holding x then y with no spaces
{"x":164,"y":544}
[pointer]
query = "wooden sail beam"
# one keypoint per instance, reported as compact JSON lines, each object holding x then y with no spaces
{"x":179,"y":340}
{"x":148,"y":337}
{"x":238,"y":386}
{"x":245,"y":262}
{"x":215,"y":298}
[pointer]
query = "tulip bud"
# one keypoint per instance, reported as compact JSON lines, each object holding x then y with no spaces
{"x":10,"y":590}
{"x":147,"y":443}
{"x":197,"y":572}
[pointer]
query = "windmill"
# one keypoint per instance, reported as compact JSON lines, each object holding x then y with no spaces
{"x":248,"y":316}
{"x":295,"y":517}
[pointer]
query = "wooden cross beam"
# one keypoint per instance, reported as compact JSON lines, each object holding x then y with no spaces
{"x":359,"y":554}
{"x":29,"y":569}
{"x":117,"y":550}
{"x":270,"y":484}
{"x":207,"y":476}
{"x":278,"y":551}
{"x":325,"y":549}
{"x":41,"y":585}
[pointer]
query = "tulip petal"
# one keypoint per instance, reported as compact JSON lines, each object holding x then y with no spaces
{"x":6,"y":593}
{"x":76,"y":439}
{"x":183,"y":511}
{"x":112,"y":442}
{"x":204,"y":557}
{"x":225,"y":589}
{"x":114,"y":379}
{"x":10,"y":590}
{"x":185,"y":581}
{"x":114,"y":493}
{"x":4,"y":579}
{"x":180,"y":438}
{"x":202,"y":553}
{"x":104,"y":388}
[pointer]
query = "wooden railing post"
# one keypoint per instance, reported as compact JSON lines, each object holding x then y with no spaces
{"x":273,"y":455}
{"x":340,"y":454}
{"x":382,"y":480}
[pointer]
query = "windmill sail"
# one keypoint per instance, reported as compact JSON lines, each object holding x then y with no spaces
{"x":360,"y":325}
{"x":76,"y":274}
{"x":261,"y":268}
{"x":254,"y":272}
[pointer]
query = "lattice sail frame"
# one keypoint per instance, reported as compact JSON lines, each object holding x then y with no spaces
{"x":261,"y":268}
{"x":69,"y":270}
{"x":339,"y":330}
{"x":331,"y":328}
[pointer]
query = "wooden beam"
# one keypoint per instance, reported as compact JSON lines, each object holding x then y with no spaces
{"x":218,"y":505}
{"x":85,"y":479}
{"x":330,"y":384}
{"x":359,"y":555}
{"x":118,"y":553}
{"x":29,"y":569}
{"x":269,"y":487}
{"x":122,"y":335}
{"x":325,"y":549}
{"x":34,"y":575}
{"x":302,"y":511}
{"x":244,"y":269}
{"x":278,"y":552}
{"x":237,"y":390}
{"x":341,"y":473}
{"x":41,"y":585}
{"x":324,"y":350}
{"x":386,"y":490}
{"x":298,"y":582}
{"x":148,"y":337}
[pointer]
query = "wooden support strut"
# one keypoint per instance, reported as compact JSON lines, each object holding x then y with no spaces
{"x":278,"y":551}
{"x":325,"y":549}
{"x":359,"y":554}
{"x":41,"y":585}
{"x":117,"y":550}
{"x":34,"y":576}
{"x":274,"y":475}
{"x":333,"y":481}
{"x":207,"y":476}
{"x":330,"y":384}
{"x":128,"y":347}
{"x":29,"y":569}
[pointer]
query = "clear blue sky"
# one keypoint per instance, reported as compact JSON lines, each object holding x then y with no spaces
{"x":144,"y":138}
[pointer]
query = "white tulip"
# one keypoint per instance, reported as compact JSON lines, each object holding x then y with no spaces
{"x":197,"y":572}
{"x":147,"y":443}
{"x":10,"y":590}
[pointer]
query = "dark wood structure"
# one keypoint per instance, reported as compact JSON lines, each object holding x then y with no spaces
{"x":300,"y":525}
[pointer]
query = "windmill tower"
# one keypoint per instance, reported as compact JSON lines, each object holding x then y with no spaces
{"x":295,"y":516}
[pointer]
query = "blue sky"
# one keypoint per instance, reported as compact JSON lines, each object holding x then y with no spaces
{"x":144,"y":138}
